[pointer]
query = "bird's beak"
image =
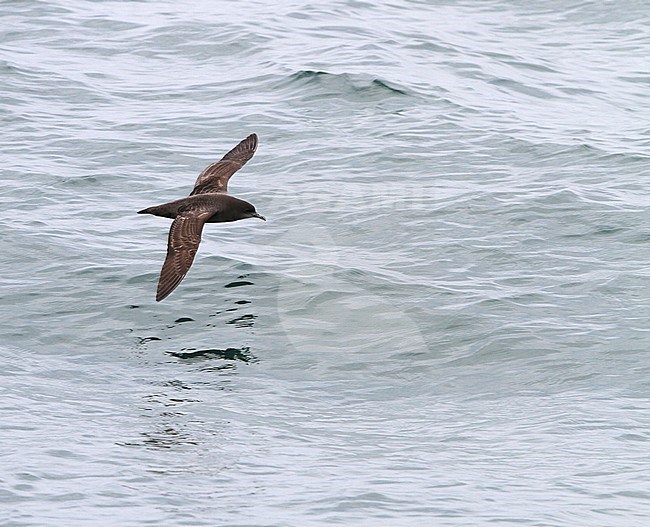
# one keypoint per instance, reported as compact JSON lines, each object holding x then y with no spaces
{"x":256,"y":215}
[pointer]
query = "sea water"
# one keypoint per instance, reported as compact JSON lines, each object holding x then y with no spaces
{"x":444,"y":320}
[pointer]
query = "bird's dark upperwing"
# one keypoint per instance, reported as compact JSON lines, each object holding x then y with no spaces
{"x":215,"y":177}
{"x":184,"y":239}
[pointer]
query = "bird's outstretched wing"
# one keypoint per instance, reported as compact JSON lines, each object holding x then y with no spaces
{"x":215,"y":177}
{"x":184,"y":239}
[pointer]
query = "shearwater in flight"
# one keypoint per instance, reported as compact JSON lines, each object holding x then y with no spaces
{"x":209,"y":202}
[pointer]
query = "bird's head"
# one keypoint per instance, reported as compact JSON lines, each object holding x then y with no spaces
{"x":252,"y":213}
{"x":246,"y":210}
{"x":233,"y":209}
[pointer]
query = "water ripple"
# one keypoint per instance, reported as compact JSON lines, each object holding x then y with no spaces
{"x":451,"y":288}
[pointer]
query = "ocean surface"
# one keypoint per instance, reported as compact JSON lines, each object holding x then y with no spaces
{"x":445,"y":320}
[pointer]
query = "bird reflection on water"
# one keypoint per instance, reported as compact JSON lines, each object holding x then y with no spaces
{"x":230,"y":354}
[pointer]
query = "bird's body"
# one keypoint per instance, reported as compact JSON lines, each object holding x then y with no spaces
{"x":208,"y":202}
{"x":224,"y":205}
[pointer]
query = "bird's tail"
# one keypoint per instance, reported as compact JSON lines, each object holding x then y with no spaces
{"x":160,"y":210}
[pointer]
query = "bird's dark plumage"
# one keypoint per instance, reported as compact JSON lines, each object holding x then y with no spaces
{"x":208,"y":202}
{"x":215,"y":177}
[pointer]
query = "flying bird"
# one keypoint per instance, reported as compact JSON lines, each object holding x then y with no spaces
{"x":209,"y":202}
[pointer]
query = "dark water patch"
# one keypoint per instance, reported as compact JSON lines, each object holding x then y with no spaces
{"x":231,"y":354}
{"x":163,"y":438}
{"x":245,"y":321}
{"x":179,"y":385}
{"x":239,"y":283}
{"x":144,"y":340}
{"x":231,"y":309}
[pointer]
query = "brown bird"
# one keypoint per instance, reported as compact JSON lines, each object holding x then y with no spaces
{"x":209,"y":202}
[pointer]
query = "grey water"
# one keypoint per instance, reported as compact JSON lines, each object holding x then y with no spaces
{"x":444,"y":320}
